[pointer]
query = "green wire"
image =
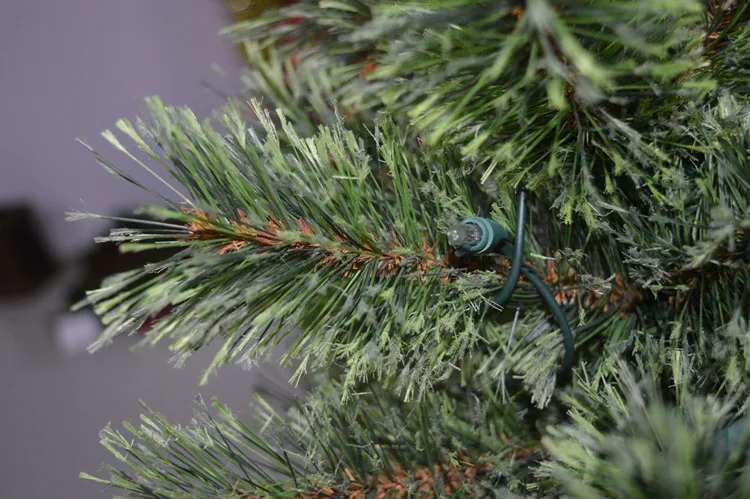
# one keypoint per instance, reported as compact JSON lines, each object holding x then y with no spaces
{"x":517,"y":268}
{"x":517,"y":256}
{"x":557,"y":312}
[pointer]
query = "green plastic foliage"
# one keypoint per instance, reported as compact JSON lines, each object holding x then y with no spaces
{"x":326,"y":447}
{"x":625,"y":442}
{"x":315,"y":233}
{"x":619,"y":440}
{"x":554,"y":94}
{"x":343,"y":260}
{"x":628,"y":120}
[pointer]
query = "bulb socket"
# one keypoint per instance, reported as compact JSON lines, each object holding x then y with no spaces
{"x":492,"y":235}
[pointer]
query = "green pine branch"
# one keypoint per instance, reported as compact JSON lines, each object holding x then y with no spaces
{"x":620,"y":439}
{"x":627,"y":120}
{"x":623,"y":440}
{"x":555,"y":95}
{"x":333,"y":242}
{"x":320,"y":240}
{"x":458,"y":441}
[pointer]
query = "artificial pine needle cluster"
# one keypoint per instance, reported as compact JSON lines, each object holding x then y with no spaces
{"x":310,"y":219}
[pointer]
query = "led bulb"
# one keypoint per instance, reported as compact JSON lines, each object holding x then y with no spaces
{"x":462,"y":234}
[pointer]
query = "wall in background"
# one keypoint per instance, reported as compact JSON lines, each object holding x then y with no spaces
{"x":71,"y":69}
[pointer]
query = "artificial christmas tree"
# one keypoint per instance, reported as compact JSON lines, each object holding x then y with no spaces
{"x":507,"y":239}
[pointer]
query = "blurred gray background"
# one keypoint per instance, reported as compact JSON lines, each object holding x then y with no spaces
{"x":70,"y":69}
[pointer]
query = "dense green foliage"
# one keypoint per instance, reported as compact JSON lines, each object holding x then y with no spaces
{"x":320,"y":231}
{"x":376,"y":445}
{"x":459,"y":442}
{"x":569,"y":96}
